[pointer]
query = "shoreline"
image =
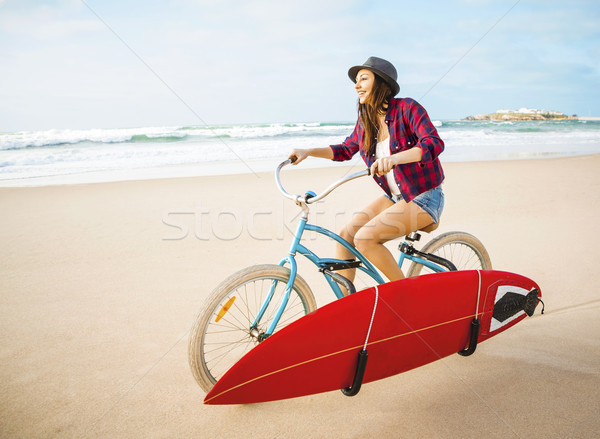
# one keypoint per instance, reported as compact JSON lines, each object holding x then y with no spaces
{"x":229,"y":168}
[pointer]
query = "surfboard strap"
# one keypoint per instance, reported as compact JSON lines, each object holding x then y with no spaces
{"x":474,"y":337}
{"x":372,"y":317}
{"x":478,"y":294}
{"x":363,"y":356}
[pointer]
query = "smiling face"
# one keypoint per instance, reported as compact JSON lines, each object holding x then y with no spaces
{"x":365,"y":79}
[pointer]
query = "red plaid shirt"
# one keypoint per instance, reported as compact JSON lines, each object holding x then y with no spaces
{"x":409,"y":126}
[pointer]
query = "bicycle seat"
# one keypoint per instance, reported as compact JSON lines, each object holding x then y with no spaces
{"x":430,"y":228}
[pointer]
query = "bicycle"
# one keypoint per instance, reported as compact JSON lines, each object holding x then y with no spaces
{"x":251,"y":304}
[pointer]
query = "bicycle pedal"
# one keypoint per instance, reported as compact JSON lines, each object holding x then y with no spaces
{"x":413,"y":237}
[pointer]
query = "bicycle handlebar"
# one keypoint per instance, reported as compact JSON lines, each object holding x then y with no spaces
{"x":314,"y":199}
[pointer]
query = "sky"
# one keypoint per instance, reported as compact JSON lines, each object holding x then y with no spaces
{"x":73,"y":64}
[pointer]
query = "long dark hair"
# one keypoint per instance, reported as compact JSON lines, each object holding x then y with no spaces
{"x":370,"y":111}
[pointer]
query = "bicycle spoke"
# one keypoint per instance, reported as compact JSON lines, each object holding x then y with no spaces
{"x":240,"y":341}
{"x":246,"y":316}
{"x":289,"y":319}
{"x":230,"y":326}
{"x":249,"y":314}
{"x":231,"y":314}
{"x":239,"y":326}
{"x":462,"y":256}
{"x":471,"y":262}
{"x":230,"y":345}
{"x":274,"y":306}
{"x":222,"y":332}
{"x":215,"y":361}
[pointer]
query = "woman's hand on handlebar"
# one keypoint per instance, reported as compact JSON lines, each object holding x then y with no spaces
{"x":383,"y":165}
{"x":386,"y":164}
{"x":297,"y":155}
{"x":300,"y":154}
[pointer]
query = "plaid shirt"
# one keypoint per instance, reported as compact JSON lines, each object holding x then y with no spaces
{"x":409,"y":126}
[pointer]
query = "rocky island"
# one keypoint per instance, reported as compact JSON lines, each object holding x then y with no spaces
{"x":522,"y":114}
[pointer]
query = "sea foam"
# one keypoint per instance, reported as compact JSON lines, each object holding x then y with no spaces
{"x":33,"y":155}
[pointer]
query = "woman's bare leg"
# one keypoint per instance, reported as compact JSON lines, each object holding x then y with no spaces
{"x":349,"y":231}
{"x":397,"y":220}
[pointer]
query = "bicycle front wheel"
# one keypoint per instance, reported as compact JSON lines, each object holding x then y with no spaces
{"x":223,"y":331}
{"x":465,"y":251}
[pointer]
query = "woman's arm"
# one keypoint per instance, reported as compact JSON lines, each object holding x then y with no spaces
{"x":385,"y":164}
{"x":300,"y":154}
{"x":429,"y":140}
{"x":343,"y":151}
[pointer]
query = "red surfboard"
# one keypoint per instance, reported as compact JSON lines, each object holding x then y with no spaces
{"x":414,"y":322}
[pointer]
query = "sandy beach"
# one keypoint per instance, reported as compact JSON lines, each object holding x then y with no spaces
{"x":100,"y":283}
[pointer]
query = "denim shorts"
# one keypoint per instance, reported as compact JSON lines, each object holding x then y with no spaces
{"x":431,"y":202}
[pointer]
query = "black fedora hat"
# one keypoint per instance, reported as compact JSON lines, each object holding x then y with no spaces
{"x":382,"y":68}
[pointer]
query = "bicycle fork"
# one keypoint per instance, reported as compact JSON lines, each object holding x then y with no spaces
{"x":290,"y":258}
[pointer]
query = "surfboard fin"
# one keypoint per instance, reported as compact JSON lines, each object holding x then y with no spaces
{"x":472,"y":340}
{"x":531,"y":301}
{"x":514,"y":303}
{"x":359,"y":374}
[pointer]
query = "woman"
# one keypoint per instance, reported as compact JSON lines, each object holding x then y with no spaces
{"x":399,"y":143}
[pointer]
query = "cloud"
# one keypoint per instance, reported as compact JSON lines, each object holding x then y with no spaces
{"x":45,"y":23}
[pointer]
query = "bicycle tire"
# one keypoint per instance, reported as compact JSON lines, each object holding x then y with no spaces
{"x":216,"y":343}
{"x":465,"y":251}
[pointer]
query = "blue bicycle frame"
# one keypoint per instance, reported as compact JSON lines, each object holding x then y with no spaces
{"x":297,"y":247}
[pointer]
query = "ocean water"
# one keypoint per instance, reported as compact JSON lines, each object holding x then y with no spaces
{"x":75,"y":156}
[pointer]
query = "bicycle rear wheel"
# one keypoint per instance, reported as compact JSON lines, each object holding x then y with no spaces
{"x":222,"y":332}
{"x":465,"y":251}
